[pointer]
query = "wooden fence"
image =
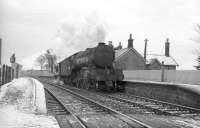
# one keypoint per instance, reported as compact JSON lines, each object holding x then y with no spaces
{"x":6,"y":74}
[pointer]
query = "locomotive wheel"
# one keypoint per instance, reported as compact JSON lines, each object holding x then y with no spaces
{"x":115,"y":86}
{"x":97,"y":85}
{"x":81,"y":84}
{"x":77,"y":83}
{"x":87,"y":84}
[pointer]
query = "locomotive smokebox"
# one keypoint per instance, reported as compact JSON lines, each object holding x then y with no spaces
{"x":103,"y":55}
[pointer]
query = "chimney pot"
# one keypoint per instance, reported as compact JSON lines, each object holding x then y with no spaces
{"x":130,"y":36}
{"x":167,"y":47}
{"x":130,"y":42}
{"x":120,"y":45}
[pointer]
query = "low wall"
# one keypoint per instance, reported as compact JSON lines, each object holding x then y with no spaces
{"x":172,"y":76}
{"x":182,"y":94}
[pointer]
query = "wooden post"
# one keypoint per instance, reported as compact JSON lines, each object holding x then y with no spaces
{"x":16,"y":72}
{"x":162,"y":72}
{"x":13,"y":74}
{"x":10,"y":73}
{"x":0,"y":76}
{"x":6,"y":76}
{"x":9,"y":78}
{"x":3,"y":75}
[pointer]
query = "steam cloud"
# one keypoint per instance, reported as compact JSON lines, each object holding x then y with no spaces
{"x":79,"y":33}
{"x":76,"y":33}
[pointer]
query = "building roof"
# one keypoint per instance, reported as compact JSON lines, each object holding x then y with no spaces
{"x":151,"y":61}
{"x":121,"y":52}
{"x":161,"y":58}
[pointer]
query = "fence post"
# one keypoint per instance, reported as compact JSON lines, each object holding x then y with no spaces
{"x":13,"y":74}
{"x":0,"y":76}
{"x":8,"y":73}
{"x":162,"y":72}
{"x":3,"y":74}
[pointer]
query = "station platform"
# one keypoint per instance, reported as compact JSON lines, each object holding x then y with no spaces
{"x":181,"y":94}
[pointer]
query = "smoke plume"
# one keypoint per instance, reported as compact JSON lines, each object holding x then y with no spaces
{"x":76,"y":33}
{"x":79,"y":33}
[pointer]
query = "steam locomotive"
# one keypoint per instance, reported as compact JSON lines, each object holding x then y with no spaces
{"x":92,"y":68}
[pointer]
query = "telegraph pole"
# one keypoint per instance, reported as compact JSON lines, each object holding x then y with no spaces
{"x":145,"y":49}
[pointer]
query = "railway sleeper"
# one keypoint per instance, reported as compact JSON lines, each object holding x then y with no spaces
{"x":59,"y":110}
{"x":154,"y":106}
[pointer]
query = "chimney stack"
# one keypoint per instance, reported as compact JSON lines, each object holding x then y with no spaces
{"x":167,"y":47}
{"x":0,"y":50}
{"x":130,"y":42}
{"x":120,"y":45}
{"x":145,"y":48}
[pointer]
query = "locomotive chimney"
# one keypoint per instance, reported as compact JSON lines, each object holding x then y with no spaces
{"x":145,"y":49}
{"x":130,"y":42}
{"x":120,"y":45}
{"x":101,"y":43}
{"x":110,"y":44}
{"x":167,"y":47}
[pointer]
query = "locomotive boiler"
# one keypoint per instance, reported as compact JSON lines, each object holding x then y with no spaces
{"x":92,"y":68}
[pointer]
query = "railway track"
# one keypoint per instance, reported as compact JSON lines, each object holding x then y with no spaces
{"x":159,"y":107}
{"x":141,"y":109}
{"x":155,"y":106}
{"x":97,"y":107}
{"x":61,"y":113}
{"x":151,"y":106}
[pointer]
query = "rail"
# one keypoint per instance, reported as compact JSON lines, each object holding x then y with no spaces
{"x":131,"y":121}
{"x":81,"y":123}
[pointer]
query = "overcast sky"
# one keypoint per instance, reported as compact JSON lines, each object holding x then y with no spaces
{"x":29,"y":27}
